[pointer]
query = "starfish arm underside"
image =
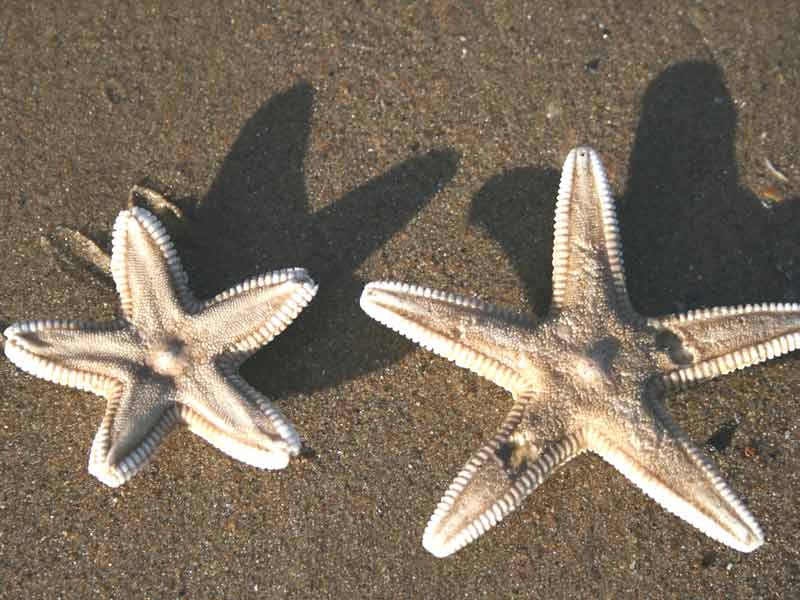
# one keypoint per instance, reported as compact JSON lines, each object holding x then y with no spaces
{"x":247,"y":316}
{"x":139,"y":414}
{"x":587,"y":251}
{"x":715,"y":341}
{"x":672,"y":471}
{"x":152,"y":285}
{"x":223,"y":409}
{"x":474,"y":335}
{"x":497,"y":478}
{"x":78,"y":354}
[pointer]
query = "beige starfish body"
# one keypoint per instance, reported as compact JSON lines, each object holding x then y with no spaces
{"x":589,"y":376}
{"x":170,"y":358}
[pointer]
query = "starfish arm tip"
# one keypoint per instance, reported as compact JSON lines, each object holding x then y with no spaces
{"x":274,"y":461}
{"x":274,"y":458}
{"x":10,"y":331}
{"x":743,"y":534}
{"x":753,"y":541}
{"x":107,"y":474}
{"x":435,"y":545}
{"x":367,"y":294}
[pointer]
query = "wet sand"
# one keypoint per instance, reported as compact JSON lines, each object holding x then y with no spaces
{"x":421,"y":144}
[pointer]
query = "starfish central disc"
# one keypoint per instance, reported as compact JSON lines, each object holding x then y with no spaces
{"x":170,"y":357}
{"x":590,"y":372}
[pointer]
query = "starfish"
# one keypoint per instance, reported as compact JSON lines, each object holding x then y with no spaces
{"x":588,"y":376}
{"x":170,"y":358}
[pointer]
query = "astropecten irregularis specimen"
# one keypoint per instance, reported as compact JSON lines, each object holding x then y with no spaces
{"x":588,"y":376}
{"x":169,"y":358}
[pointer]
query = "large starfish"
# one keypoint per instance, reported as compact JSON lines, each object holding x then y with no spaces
{"x":170,"y":358}
{"x":589,"y":376}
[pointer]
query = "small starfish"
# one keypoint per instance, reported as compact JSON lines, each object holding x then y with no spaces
{"x":589,"y":376}
{"x":170,"y":358}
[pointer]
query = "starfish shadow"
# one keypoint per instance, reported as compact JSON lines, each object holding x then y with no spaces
{"x":692,"y":235}
{"x":516,"y":209}
{"x":255,"y":218}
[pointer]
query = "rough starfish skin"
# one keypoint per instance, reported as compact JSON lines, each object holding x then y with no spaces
{"x":589,"y":376}
{"x":170,"y":358}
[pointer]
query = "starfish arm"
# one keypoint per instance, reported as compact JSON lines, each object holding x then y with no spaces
{"x":475,"y":335}
{"x":223,"y":409}
{"x":251,"y":314}
{"x":666,"y":466}
{"x":587,"y":251}
{"x":139,"y":414}
{"x":152,"y":285}
{"x":83,"y":355}
{"x":714,"y":341}
{"x":497,"y":478}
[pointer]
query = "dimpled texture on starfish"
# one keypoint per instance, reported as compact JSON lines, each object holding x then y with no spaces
{"x":588,"y":376}
{"x":170,"y":358}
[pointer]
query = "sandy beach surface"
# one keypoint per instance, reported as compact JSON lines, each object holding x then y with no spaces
{"x":407,"y":141}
